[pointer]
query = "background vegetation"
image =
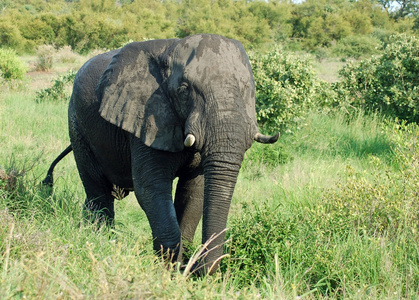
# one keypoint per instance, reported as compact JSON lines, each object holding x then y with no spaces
{"x":349,"y":28}
{"x":330,"y":211}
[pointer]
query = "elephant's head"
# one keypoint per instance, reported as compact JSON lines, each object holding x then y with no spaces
{"x":197,"y":92}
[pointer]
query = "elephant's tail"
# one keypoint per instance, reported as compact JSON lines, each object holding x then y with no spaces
{"x":49,"y":180}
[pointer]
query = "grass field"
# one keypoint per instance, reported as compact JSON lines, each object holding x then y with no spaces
{"x":330,"y":211}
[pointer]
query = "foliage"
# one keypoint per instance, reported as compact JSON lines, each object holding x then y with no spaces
{"x":66,"y":55}
{"x":388,"y":82}
{"x":15,"y":191}
{"x":45,"y":54}
{"x":230,"y":18}
{"x":254,"y":252}
{"x":286,"y":89}
{"x":38,"y":31}
{"x":144,"y":20}
{"x":381,"y":203}
{"x":401,"y":8}
{"x":10,"y":66}
{"x":278,"y":223}
{"x":10,"y":36}
{"x":278,"y":14}
{"x":87,"y":25}
{"x":357,"y":46}
{"x":85,"y":32}
{"x":321,"y":23}
{"x":57,"y":92}
{"x":355,"y":235}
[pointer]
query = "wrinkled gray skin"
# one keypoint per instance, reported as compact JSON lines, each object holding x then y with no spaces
{"x":129,"y":114}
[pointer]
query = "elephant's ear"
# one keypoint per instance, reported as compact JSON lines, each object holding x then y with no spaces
{"x":133,"y":98}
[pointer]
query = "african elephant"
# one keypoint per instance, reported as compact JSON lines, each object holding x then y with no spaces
{"x":152,"y":111}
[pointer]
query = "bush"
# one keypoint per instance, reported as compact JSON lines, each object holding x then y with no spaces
{"x":66,"y":55}
{"x":382,"y":203}
{"x":10,"y":36}
{"x":356,"y":46}
{"x":262,"y":230}
{"x":38,"y":32}
{"x":230,"y":18}
{"x":21,"y":194}
{"x":10,"y":65}
{"x":286,"y":89}
{"x":362,"y":233}
{"x":388,"y":82}
{"x":57,"y":92}
{"x":45,"y":55}
{"x":85,"y":32}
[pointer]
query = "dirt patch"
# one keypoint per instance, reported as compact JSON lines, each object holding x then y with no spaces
{"x":41,"y":80}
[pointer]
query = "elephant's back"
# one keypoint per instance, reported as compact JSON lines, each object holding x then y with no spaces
{"x":84,"y":105}
{"x":88,"y":77}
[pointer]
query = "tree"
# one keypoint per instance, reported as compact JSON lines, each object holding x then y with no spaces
{"x":401,"y":8}
{"x":232,"y":19}
{"x":407,"y":8}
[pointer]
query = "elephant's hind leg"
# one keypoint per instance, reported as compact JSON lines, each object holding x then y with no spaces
{"x":100,"y":208}
{"x":99,"y":203}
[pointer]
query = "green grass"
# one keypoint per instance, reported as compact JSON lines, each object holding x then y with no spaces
{"x":338,"y":218}
{"x":327,"y":69}
{"x":330,"y":211}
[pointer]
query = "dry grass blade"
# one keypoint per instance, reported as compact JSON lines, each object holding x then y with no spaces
{"x":118,"y":193}
{"x":201,"y":253}
{"x":6,"y":254}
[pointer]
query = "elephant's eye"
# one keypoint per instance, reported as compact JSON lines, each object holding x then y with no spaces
{"x":183,"y":88}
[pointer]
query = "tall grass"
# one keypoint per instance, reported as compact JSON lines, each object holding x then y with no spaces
{"x":329,"y":211}
{"x":338,"y":218}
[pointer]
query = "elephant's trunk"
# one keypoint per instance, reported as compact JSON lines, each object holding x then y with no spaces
{"x":220,"y":179}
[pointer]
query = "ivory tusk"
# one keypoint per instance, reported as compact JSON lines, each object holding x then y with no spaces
{"x":189,"y":141}
{"x":266,"y":139}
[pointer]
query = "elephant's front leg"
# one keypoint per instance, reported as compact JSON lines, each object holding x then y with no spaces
{"x":189,"y":202}
{"x":153,"y":176}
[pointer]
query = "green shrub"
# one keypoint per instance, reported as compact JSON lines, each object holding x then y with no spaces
{"x":58,"y":91}
{"x":356,"y":46}
{"x":361,"y":233}
{"x":322,"y":53}
{"x":383,"y":203}
{"x":269,"y":156}
{"x":286,"y":89}
{"x":10,"y":65}
{"x":380,"y":209}
{"x":388,"y":82}
{"x":84,"y":32}
{"x":230,"y":18}
{"x":38,"y":32}
{"x":259,"y":232}
{"x":10,"y":36}
{"x":380,"y":203}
